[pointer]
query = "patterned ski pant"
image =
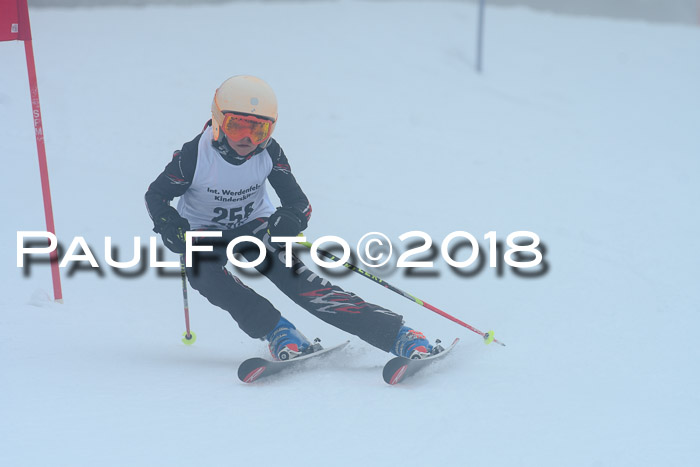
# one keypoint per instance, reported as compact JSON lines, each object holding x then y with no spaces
{"x":256,"y":316}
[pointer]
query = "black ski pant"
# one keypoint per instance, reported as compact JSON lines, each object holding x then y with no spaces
{"x":256,"y":316}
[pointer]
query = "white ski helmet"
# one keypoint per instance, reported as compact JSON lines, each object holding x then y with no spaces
{"x":243,"y":94}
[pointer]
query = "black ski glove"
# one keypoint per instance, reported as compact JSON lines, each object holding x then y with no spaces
{"x":172,"y":227}
{"x":286,"y":222}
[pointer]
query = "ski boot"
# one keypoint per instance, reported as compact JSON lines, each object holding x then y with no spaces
{"x":412,"y":344}
{"x":285,"y":342}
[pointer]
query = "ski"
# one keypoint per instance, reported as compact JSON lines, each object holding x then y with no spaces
{"x":399,"y":368}
{"x":255,"y":368}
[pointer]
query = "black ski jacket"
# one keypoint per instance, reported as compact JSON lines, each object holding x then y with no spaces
{"x":179,"y":173}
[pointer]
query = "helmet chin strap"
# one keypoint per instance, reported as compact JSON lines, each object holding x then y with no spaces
{"x":230,"y":154}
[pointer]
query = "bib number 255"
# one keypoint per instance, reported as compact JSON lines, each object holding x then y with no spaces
{"x":232,"y":217}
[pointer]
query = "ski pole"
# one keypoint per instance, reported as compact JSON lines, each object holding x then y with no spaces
{"x":488,"y":336}
{"x":188,"y":337}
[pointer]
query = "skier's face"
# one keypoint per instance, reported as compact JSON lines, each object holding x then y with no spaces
{"x":242,"y":147}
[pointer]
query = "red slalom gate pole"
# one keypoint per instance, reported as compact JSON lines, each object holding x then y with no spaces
{"x":26,"y":36}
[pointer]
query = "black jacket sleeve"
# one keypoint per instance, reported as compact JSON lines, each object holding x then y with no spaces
{"x":172,"y":182}
{"x":286,"y":185}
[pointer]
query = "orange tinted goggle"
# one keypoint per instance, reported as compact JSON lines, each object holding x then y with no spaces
{"x":237,"y":127}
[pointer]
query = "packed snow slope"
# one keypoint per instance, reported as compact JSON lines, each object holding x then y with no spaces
{"x":584,"y":131}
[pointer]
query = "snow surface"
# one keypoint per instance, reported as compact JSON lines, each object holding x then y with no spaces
{"x":585,"y":131}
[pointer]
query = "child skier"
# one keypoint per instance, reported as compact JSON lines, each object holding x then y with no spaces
{"x":220,"y":178}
